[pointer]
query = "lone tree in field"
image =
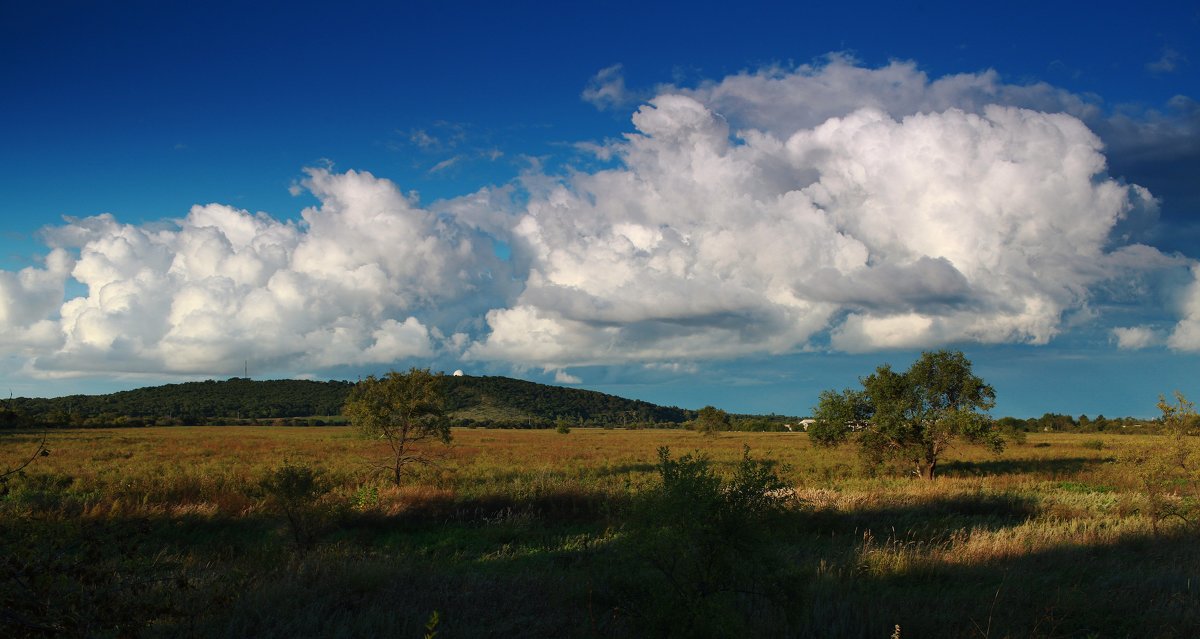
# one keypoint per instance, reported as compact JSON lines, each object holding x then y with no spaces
{"x":911,"y":416}
{"x":405,"y":410}
{"x":710,"y":420}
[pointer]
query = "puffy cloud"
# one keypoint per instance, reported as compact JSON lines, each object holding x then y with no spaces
{"x":343,"y":286}
{"x":1186,"y":335}
{"x":29,"y":300}
{"x":1135,"y":337}
{"x":1158,"y":148}
{"x":782,"y":101}
{"x":563,"y":377}
{"x":877,"y":231}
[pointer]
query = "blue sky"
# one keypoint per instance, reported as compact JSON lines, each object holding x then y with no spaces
{"x":691,"y":204}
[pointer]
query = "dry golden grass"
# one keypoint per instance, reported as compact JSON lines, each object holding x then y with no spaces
{"x":532,"y":500}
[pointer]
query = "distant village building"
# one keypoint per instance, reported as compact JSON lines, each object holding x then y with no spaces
{"x":803,"y":425}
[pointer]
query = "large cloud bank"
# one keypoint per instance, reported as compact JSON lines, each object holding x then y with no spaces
{"x":832,"y":206}
{"x":220,"y":285}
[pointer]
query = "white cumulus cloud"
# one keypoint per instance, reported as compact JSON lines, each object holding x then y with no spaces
{"x":29,"y":300}
{"x":343,"y":286}
{"x":877,"y":230}
{"x":1135,"y":337}
{"x":1186,"y":334}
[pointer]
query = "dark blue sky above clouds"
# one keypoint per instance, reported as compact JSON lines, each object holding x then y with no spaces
{"x":738,"y":204}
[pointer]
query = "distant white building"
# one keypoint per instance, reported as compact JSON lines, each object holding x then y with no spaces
{"x":803,"y":425}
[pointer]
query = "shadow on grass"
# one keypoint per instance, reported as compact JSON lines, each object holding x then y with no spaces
{"x":553,"y":508}
{"x":499,"y":585}
{"x":927,"y":519}
{"x":1050,"y":468}
{"x":1139,"y":586}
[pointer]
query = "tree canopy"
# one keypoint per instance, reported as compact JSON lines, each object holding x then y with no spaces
{"x":710,"y":420}
{"x":403,"y":409}
{"x":911,"y":416}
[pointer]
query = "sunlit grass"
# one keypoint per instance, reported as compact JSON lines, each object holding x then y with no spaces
{"x":499,"y":506}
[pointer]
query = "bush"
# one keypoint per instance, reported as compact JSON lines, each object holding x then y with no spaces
{"x":708,"y":543}
{"x":294,"y":490}
{"x":1170,"y":473}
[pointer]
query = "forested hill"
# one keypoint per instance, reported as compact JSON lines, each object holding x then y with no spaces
{"x":500,"y":398}
{"x":496,"y":401}
{"x":236,"y":398}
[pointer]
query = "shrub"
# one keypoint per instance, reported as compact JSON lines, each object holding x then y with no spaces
{"x":294,"y":490}
{"x":708,"y":543}
{"x":1170,"y":474}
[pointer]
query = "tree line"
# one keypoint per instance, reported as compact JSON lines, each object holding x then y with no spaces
{"x":1059,"y":423}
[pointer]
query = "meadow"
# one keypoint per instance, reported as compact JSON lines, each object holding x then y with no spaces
{"x":197,"y":532}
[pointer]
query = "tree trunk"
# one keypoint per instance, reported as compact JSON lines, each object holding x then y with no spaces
{"x":927,"y":469}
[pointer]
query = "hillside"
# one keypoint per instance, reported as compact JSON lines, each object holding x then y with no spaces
{"x":507,"y":399}
{"x":487,"y":401}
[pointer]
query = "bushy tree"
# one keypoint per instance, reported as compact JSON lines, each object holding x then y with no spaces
{"x":710,"y":420}
{"x":911,"y":416}
{"x":1170,"y":472}
{"x":403,"y":409}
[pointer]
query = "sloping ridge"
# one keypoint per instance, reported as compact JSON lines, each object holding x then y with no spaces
{"x":470,"y":399}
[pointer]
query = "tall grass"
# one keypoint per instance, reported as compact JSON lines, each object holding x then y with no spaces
{"x":169,"y":531}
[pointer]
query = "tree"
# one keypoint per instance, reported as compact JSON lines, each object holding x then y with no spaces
{"x":709,"y":420}
{"x":562,"y":425}
{"x":1170,"y":471}
{"x":911,"y":416}
{"x":405,"y":410}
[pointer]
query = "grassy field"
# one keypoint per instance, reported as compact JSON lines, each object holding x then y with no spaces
{"x":175,"y":532}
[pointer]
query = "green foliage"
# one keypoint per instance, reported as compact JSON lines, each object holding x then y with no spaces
{"x":192,"y":403}
{"x":293,"y":490}
{"x":486,"y":401}
{"x":365,"y":498}
{"x":10,"y":417}
{"x":837,"y":415}
{"x":562,"y":426}
{"x":1059,"y":423}
{"x":510,"y":402}
{"x":404,"y":410}
{"x":762,"y":424}
{"x":710,"y":420}
{"x":708,"y":540}
{"x":1014,"y":430}
{"x":431,"y":631}
{"x":911,"y":416}
{"x":1170,"y":474}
